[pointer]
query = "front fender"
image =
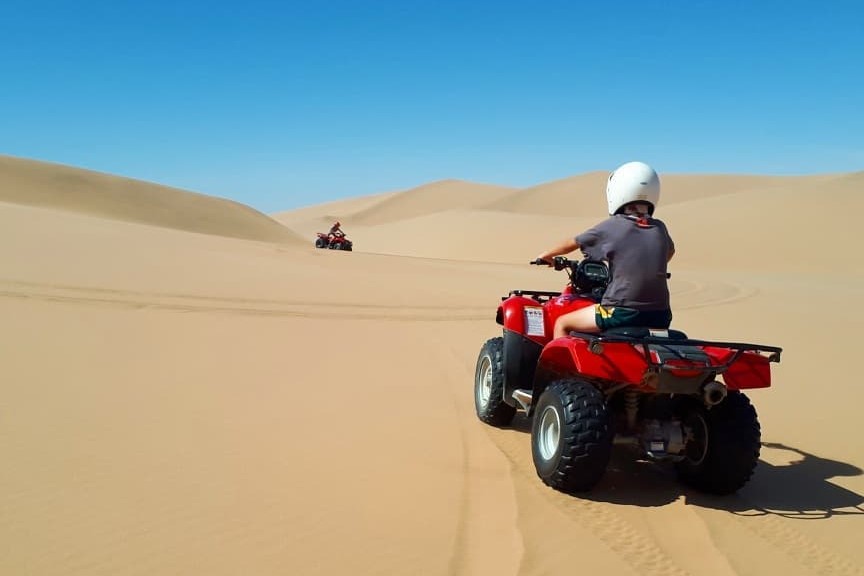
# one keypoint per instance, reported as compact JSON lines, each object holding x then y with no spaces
{"x":524,"y":316}
{"x":520,"y":362}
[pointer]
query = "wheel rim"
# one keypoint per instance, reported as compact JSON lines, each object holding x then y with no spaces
{"x":484,"y":382}
{"x":549,"y":433}
{"x":696,"y":438}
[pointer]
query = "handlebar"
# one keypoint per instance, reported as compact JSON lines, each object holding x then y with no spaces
{"x":558,"y":262}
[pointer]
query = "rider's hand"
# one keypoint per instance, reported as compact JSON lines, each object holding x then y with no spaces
{"x":545,"y":258}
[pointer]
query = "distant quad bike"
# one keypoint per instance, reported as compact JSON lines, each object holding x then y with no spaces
{"x":654,"y":390}
{"x":334,"y":243}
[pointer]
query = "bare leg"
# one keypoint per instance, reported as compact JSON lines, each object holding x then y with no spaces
{"x":581,"y":320}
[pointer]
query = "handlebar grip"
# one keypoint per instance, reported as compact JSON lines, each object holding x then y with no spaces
{"x":539,"y":262}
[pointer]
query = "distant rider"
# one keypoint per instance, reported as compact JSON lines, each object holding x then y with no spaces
{"x":636,"y":246}
{"x":336,"y":231}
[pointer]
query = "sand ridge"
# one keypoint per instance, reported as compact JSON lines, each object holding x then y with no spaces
{"x":55,"y":186}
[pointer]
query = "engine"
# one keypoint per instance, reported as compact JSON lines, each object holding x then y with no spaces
{"x":662,"y":439}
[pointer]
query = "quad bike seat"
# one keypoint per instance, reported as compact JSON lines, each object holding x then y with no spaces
{"x":642,"y":332}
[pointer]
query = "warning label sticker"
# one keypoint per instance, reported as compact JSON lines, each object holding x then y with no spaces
{"x":534,"y":322}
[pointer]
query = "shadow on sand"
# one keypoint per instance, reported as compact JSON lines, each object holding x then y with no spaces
{"x":799,"y":489}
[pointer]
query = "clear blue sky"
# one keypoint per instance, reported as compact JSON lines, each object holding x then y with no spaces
{"x":279,"y":104}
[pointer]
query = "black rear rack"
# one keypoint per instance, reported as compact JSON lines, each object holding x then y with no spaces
{"x":595,"y":342}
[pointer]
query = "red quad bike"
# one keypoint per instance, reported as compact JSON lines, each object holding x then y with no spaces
{"x":656,"y":390}
{"x":334,"y":243}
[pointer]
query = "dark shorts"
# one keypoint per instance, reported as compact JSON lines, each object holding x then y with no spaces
{"x":616,"y":316}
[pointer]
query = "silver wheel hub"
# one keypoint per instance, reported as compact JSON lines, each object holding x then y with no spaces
{"x":484,"y":382}
{"x":549,"y":433}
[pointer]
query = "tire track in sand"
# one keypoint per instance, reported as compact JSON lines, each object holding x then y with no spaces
{"x":486,"y":539}
{"x":175,"y":302}
{"x":793,"y":544}
{"x":642,"y":553}
{"x":702,"y":294}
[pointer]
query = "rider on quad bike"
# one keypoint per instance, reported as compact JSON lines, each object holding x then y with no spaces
{"x":636,"y":246}
{"x":334,"y":239}
{"x":596,"y":365}
{"x":335,"y":231}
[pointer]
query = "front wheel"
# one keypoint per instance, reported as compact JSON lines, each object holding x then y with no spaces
{"x":489,"y":385}
{"x":571,"y":436}
{"x":721,"y":444}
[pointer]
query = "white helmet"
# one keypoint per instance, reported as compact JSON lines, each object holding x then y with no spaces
{"x":632,"y":182}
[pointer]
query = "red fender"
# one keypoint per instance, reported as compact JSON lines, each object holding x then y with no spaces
{"x":535,"y":320}
{"x":514,"y":314}
{"x":750,"y":370}
{"x":617,"y":362}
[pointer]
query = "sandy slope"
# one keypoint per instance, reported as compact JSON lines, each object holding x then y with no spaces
{"x":55,"y":186}
{"x":433,"y":197}
{"x":578,"y":194}
{"x":181,"y":403}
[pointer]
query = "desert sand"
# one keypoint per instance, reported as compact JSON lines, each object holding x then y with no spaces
{"x":190,"y":387}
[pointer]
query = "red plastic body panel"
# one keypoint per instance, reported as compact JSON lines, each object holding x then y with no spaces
{"x":512,"y":311}
{"x":625,"y":363}
{"x":750,"y":370}
{"x":618,"y":362}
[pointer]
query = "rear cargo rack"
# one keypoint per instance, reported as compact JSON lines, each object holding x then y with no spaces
{"x":596,"y":341}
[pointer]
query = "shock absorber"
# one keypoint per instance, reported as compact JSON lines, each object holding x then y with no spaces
{"x":631,"y":408}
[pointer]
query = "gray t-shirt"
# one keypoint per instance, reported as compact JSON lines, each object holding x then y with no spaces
{"x":637,"y":253}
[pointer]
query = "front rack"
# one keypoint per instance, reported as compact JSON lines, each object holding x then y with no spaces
{"x":532,"y":293}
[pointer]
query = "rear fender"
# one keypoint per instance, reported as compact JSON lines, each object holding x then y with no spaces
{"x":557,"y":360}
{"x":571,"y":356}
{"x":750,"y":370}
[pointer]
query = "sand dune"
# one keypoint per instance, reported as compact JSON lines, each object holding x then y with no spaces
{"x":181,"y":403}
{"x":583,"y":194}
{"x":806,"y":225}
{"x":476,"y":235}
{"x":433,"y":197}
{"x":48,"y":185}
{"x":711,"y":221}
{"x":573,"y":195}
{"x":329,"y":211}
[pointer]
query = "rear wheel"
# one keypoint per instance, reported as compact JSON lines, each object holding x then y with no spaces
{"x":571,"y":436}
{"x":320,"y":243}
{"x":489,"y":385}
{"x":722,"y":444}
